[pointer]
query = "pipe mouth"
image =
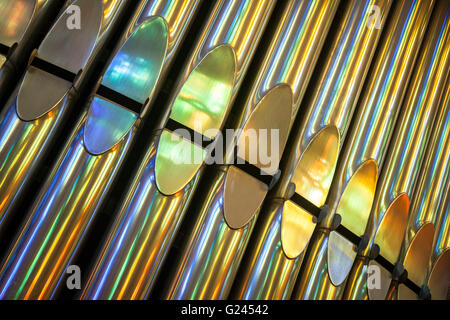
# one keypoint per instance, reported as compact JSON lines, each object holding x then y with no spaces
{"x":40,"y":92}
{"x":106,"y":124}
{"x":341,"y":254}
{"x":203,"y":100}
{"x":15,"y":16}
{"x":271,"y":116}
{"x":297,"y":227}
{"x":439,"y":280}
{"x":418,"y":256}
{"x":356,"y":201}
{"x":133,"y":72}
{"x":136,"y":67}
{"x":354,"y":207}
{"x":379,"y":279}
{"x":315,"y":170}
{"x":391,"y":231}
{"x":59,"y":44}
{"x":243,"y":194}
{"x":201,"y":105}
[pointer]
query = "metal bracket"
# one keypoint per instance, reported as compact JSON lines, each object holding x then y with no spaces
{"x":399,"y":273}
{"x":425,"y":293}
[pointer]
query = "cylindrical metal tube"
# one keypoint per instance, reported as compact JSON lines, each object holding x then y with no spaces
{"x":389,"y":216}
{"x":330,"y":258}
{"x":156,"y":202}
{"x":429,"y":201}
{"x":92,"y":156}
{"x":273,"y":260}
{"x":25,"y":24}
{"x":438,"y":280}
{"x":36,"y":113}
{"x":214,"y":247}
{"x":15,"y":17}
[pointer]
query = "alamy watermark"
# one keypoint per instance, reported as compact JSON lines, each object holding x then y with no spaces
{"x":374,"y":19}
{"x":73,"y":22}
{"x":74,"y":279}
{"x":260,"y":147}
{"x":373,"y":277}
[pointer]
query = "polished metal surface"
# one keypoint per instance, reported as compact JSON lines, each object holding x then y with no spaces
{"x":429,"y":201}
{"x":430,"y":204}
{"x":319,"y":166}
{"x":106,"y":125}
{"x":368,"y":140}
{"x":25,"y":141}
{"x":434,"y":192}
{"x":272,"y":103}
{"x":56,"y":224}
{"x":439,"y":278}
{"x":39,"y":93}
{"x":200,"y":110}
{"x":157,"y":199}
{"x":2,"y":60}
{"x":419,"y":253}
{"x":133,"y":72}
{"x":389,"y":216}
{"x":15,"y":17}
{"x":77,"y":185}
{"x":311,"y":159}
{"x":58,"y":46}
{"x":36,"y":95}
{"x":208,"y":87}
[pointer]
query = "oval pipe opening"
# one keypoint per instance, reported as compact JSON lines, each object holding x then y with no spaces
{"x":297,"y":227}
{"x":315,"y":170}
{"x":133,"y":72}
{"x":261,"y":143}
{"x":391,"y":232}
{"x":356,"y":201}
{"x":201,"y":105}
{"x":354,"y":207}
{"x":268,"y":129}
{"x":439,"y":280}
{"x":418,"y":256}
{"x":40,"y":92}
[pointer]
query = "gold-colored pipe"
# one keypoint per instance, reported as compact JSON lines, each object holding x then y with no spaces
{"x":227,"y":213}
{"x":273,"y":260}
{"x":15,"y":17}
{"x":85,"y":170}
{"x":438,"y":276}
{"x":428,"y":204}
{"x":162,"y":188}
{"x":329,"y":260}
{"x":38,"y":109}
{"x":389,"y":216}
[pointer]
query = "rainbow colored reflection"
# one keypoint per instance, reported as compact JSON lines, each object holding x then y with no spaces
{"x":58,"y":221}
{"x":14,"y":19}
{"x":19,"y":154}
{"x":135,"y":69}
{"x":106,"y":124}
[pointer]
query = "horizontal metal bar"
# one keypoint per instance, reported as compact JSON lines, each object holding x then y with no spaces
{"x":306,"y":204}
{"x":248,"y":168}
{"x":120,"y":99}
{"x":53,"y":69}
